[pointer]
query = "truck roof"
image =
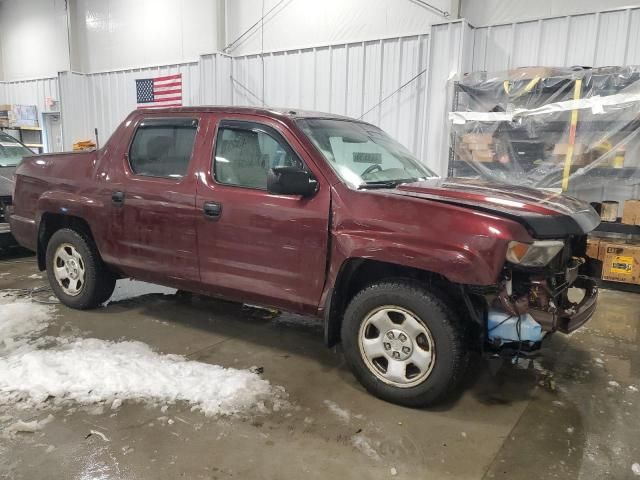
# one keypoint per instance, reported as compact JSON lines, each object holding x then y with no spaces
{"x":290,"y":113}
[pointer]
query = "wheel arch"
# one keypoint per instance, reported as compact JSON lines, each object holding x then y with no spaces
{"x":51,"y":223}
{"x":357,"y":273}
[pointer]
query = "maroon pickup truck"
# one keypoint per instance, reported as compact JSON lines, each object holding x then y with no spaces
{"x":315,"y":214}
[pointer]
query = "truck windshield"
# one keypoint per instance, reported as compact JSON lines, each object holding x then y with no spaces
{"x":362,"y":155}
{"x":11,"y":151}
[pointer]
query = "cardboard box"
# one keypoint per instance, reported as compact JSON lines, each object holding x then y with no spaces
{"x":482,"y":156}
{"x":484,"y":138}
{"x":579,"y":160}
{"x":526,"y":73}
{"x":621,"y":263}
{"x":593,"y":247}
{"x":631,"y":212}
{"x":18,"y":115}
{"x":561,"y":149}
{"x":609,"y":211}
{"x":4,"y":115}
{"x":479,"y":146}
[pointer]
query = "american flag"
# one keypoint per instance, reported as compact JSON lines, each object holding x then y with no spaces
{"x":159,"y":92}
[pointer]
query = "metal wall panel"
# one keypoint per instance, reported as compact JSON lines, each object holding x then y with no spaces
{"x":594,"y":39}
{"x":113,"y":94}
{"x":450,"y":54}
{"x":75,"y":108}
{"x":215,"y":79}
{"x":360,"y":80}
{"x":30,"y":92}
{"x":103,"y":100}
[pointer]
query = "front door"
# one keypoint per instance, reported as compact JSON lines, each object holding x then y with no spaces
{"x":153,"y":202}
{"x":254,"y":246}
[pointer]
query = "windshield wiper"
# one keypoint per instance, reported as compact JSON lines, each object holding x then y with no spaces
{"x":385,"y":183}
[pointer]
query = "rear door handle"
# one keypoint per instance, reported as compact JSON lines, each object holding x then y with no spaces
{"x":212,"y":210}
{"x":117,"y":198}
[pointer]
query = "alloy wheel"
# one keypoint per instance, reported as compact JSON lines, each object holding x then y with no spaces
{"x":69,"y":269}
{"x":397,"y":346}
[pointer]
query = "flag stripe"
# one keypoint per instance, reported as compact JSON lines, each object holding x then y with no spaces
{"x":168,"y":77}
{"x":161,"y":106}
{"x":172,"y":84}
{"x":166,"y":99}
{"x":165,"y":91}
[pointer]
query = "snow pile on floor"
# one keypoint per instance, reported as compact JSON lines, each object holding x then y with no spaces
{"x":90,"y":371}
{"x":19,"y":321}
{"x":127,"y":288}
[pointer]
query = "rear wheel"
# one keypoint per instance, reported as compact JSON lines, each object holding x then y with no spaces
{"x":76,"y":272}
{"x":403,"y":343}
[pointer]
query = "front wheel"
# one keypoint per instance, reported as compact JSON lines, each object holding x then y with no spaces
{"x":403,"y":343}
{"x":76,"y":272}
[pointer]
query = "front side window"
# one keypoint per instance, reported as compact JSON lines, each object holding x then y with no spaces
{"x":363,"y":155}
{"x":245,"y":154}
{"x":163,"y":147}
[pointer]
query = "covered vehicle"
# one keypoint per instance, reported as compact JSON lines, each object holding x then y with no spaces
{"x":319,"y":215}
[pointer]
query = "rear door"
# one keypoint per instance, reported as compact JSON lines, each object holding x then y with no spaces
{"x":152,"y":201}
{"x":254,"y":246}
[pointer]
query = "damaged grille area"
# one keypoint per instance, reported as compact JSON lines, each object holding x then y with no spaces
{"x":536,"y":301}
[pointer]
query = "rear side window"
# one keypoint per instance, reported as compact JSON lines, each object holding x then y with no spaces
{"x":163,"y":147}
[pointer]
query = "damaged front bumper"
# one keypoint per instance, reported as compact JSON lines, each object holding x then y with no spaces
{"x":538,"y":303}
{"x":573,"y":315}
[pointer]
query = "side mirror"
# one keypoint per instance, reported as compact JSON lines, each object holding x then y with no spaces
{"x":291,"y":181}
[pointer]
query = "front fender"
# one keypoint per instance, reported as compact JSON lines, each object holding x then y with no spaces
{"x":476,"y":262}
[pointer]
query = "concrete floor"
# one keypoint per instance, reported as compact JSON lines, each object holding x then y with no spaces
{"x":569,"y":415}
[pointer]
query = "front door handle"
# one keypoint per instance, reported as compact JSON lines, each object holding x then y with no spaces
{"x":212,"y":210}
{"x":117,"y":198}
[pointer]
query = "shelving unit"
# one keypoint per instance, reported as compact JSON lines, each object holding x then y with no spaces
{"x":532,"y":139}
{"x":559,"y":146}
{"x":30,"y":136}
{"x":619,"y":228}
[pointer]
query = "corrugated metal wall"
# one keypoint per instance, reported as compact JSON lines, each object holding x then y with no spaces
{"x":75,"y":108}
{"x":359,"y":80}
{"x":29,"y":92}
{"x":595,"y":39}
{"x":103,"y":100}
{"x":449,"y":55}
{"x":215,"y":79}
{"x":113,"y":94}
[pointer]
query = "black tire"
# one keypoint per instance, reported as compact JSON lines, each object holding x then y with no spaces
{"x":448,"y":336}
{"x":99,"y":282}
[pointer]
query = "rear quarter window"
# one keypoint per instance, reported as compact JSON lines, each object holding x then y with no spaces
{"x":163,"y":147}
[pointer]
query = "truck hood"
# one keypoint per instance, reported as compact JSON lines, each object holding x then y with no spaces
{"x":544,"y":213}
{"x":6,"y":181}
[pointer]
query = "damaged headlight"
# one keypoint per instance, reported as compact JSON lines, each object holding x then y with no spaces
{"x":536,"y":254}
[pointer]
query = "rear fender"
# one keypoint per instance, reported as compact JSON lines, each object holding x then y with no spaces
{"x":64,"y":204}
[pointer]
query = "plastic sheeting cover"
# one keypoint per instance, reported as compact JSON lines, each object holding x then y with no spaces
{"x":572,"y":129}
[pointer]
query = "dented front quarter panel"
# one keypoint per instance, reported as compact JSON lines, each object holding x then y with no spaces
{"x":460,"y":244}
